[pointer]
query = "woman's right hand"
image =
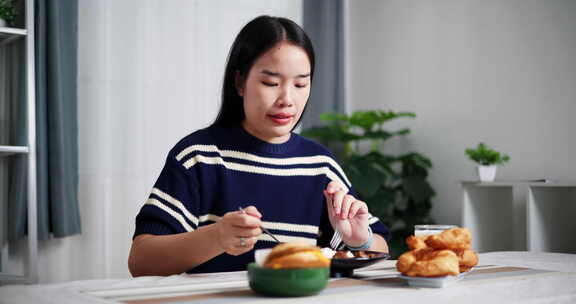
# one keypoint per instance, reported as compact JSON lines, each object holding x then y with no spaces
{"x":238,"y":231}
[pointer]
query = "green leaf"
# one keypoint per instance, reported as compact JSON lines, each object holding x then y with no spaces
{"x":379,"y":134}
{"x":383,"y":161}
{"x":402,"y":132}
{"x":486,"y":156}
{"x":415,"y":164}
{"x":417,"y":188}
{"x":381,"y":204}
{"x":323,"y":133}
{"x":367,"y":175}
{"x":333,"y":117}
{"x":385,"y":116}
{"x":364,"y":119}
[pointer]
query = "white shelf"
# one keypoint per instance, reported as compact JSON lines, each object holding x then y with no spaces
{"x":9,"y":34}
{"x":10,"y":150}
{"x":507,"y":183}
{"x":29,"y":253}
{"x":14,"y":279}
{"x":9,"y":31}
{"x":522,"y":215}
{"x":488,"y":212}
{"x":551,"y":226}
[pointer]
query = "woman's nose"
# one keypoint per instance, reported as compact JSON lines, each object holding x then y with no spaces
{"x":286,"y":98}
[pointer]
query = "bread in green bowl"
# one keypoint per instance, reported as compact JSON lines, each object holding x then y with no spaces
{"x":290,"y":270}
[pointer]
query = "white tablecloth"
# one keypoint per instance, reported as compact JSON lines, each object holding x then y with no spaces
{"x":557,"y":285}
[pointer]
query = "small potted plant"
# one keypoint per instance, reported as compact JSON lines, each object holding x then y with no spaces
{"x":7,"y":13}
{"x":487,"y":160}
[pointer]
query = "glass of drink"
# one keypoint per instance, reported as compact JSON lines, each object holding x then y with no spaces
{"x":426,"y":230}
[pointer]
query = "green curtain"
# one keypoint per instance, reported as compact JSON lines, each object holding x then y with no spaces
{"x":56,"y":47}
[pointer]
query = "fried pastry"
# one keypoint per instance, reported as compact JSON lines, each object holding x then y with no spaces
{"x":415,"y":242}
{"x":452,"y":239}
{"x":428,"y":262}
{"x":446,"y":253}
{"x":466,"y":259}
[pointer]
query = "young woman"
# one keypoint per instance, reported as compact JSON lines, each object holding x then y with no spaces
{"x":249,"y":158}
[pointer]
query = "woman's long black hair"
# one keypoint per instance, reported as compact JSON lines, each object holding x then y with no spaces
{"x":255,"y":38}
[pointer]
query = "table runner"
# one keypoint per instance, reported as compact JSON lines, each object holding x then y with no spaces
{"x":362,"y":283}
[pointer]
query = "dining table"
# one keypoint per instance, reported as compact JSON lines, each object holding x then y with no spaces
{"x":499,"y":277}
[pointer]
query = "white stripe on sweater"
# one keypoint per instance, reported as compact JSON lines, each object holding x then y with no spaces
{"x":271,"y":225}
{"x":263,"y":237}
{"x":291,"y":227}
{"x":288,"y":239}
{"x":264,"y":170}
{"x":177,"y":204}
{"x":173,"y":213}
{"x":305,"y":160}
{"x":214,"y":218}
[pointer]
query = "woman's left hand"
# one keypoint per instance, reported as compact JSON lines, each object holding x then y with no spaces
{"x":347,"y":214}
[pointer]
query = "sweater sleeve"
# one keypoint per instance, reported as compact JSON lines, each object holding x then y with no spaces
{"x":172,"y":204}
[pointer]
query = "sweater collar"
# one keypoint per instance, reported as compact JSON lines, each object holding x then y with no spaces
{"x":251,"y":142}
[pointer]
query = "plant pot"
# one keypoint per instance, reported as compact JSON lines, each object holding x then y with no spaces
{"x":487,"y":173}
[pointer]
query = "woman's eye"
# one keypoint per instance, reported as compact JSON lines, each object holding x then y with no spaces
{"x":301,"y":86}
{"x":269,"y":84}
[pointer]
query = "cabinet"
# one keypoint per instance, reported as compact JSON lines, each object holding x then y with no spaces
{"x":29,"y":273}
{"x":517,"y":215}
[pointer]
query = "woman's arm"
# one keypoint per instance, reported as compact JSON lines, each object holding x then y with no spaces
{"x":379,"y":244}
{"x":172,"y":254}
{"x":176,"y":253}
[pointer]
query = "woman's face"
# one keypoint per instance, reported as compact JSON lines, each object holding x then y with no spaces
{"x":275,"y":92}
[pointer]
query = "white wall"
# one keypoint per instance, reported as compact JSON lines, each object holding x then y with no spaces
{"x":498,"y":71}
{"x":150,"y":72}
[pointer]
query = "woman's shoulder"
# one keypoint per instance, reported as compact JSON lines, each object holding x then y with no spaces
{"x":201,"y":137}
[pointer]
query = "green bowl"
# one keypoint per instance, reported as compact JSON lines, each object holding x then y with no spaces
{"x":287,"y":282}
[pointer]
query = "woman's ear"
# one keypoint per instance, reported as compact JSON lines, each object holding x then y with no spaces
{"x":239,"y":82}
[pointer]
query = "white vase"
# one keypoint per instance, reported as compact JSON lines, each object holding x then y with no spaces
{"x":487,"y":173}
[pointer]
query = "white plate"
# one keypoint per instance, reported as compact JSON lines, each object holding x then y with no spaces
{"x":438,"y":282}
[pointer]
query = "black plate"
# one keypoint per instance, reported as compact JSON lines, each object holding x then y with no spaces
{"x":345,"y":267}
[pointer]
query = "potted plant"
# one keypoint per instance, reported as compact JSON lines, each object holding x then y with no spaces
{"x":7,"y":13}
{"x":395,"y":187}
{"x":487,"y":160}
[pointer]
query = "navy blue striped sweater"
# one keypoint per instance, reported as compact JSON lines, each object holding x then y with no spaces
{"x":215,"y":170}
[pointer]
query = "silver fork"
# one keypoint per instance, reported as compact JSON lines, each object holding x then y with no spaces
{"x":262,"y":227}
{"x":336,"y":240}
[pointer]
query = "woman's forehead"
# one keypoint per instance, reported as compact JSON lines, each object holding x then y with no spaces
{"x":284,"y":59}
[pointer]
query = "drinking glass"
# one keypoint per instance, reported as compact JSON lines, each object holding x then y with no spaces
{"x":425,"y":230}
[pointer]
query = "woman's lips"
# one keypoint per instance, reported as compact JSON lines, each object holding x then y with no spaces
{"x":281,"y":119}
